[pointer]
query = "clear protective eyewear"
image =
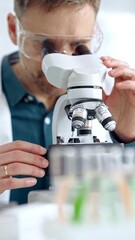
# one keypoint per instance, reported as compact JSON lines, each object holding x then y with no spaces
{"x":36,"y":45}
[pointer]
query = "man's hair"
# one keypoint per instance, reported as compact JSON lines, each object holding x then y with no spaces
{"x":20,"y":6}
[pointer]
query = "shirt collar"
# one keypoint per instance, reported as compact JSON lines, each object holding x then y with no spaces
{"x":12,"y":87}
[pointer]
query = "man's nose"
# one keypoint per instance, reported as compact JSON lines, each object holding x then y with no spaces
{"x":66,"y":49}
{"x":63,"y":51}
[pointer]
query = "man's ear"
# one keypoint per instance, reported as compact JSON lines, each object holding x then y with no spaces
{"x":11,"y":20}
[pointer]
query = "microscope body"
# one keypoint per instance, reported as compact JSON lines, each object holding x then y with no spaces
{"x":82,"y":78}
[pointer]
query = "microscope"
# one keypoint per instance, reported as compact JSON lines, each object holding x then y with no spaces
{"x":75,"y":149}
{"x":82,"y":76}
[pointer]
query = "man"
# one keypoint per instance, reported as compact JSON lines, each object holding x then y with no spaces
{"x":41,"y":27}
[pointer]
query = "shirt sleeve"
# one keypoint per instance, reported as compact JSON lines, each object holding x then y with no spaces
{"x":115,"y":138}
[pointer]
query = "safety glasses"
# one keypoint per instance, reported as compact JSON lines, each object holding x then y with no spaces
{"x":35,"y":45}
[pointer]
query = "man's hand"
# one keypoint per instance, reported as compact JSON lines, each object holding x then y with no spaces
{"x":21,"y":158}
{"x":121,"y":101}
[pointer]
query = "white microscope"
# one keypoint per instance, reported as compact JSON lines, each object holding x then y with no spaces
{"x":82,"y":77}
{"x":74,"y":148}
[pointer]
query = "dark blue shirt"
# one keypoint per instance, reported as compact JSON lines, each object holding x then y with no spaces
{"x":30,"y":120}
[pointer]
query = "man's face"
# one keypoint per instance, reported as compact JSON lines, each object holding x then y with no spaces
{"x":62,"y":21}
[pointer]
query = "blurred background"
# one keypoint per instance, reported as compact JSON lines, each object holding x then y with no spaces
{"x":116,"y":19}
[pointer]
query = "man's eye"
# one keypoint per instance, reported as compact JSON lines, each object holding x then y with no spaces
{"x":79,"y":43}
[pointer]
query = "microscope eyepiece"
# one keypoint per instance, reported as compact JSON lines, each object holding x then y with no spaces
{"x":81,"y":50}
{"x":47,"y":48}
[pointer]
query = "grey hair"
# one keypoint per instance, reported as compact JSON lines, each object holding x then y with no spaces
{"x":20,"y":6}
